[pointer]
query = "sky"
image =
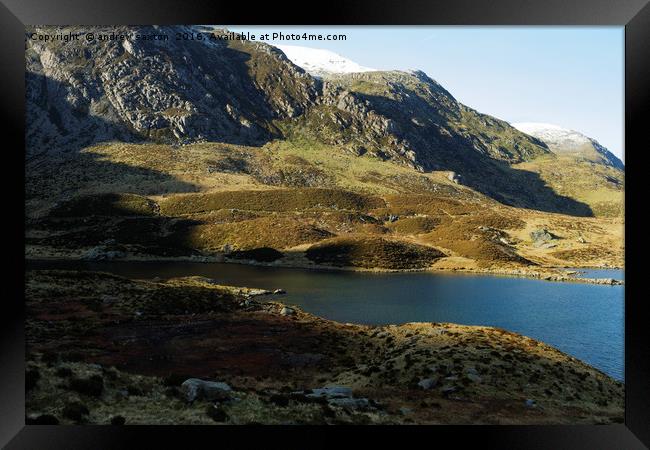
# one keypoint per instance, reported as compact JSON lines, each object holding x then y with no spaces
{"x":568,"y":76}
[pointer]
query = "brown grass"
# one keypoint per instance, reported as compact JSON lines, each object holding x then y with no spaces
{"x":272,"y":231}
{"x":414,"y":225}
{"x":372,"y":253}
{"x":270,"y":200}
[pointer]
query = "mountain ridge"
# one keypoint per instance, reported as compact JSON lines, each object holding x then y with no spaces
{"x":564,"y":140}
{"x":250,"y":93}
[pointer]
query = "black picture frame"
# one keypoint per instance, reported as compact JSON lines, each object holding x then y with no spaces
{"x":16,"y":14}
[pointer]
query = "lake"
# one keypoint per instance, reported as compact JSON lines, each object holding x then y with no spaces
{"x":583,"y":320}
{"x":618,"y":274}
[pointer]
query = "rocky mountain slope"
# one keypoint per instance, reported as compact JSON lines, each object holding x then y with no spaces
{"x":564,"y":141}
{"x":319,"y":62}
{"x":249,"y":93}
{"x":582,"y":169}
{"x":193,"y":143}
{"x":173,"y":91}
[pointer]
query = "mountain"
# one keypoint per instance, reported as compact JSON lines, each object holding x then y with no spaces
{"x":204,"y":148}
{"x":244,"y":93}
{"x":564,"y":141}
{"x":319,"y":62}
{"x":582,"y":169}
{"x":178,"y":91}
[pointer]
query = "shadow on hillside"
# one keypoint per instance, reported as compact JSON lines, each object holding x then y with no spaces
{"x":492,"y":177}
{"x":228,"y":106}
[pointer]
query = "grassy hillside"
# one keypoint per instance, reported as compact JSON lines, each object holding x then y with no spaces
{"x":597,"y":185}
{"x":214,"y":200}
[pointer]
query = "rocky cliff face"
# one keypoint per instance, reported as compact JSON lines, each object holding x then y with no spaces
{"x":174,"y":91}
{"x":236,"y":91}
{"x":248,"y":93}
{"x":411,"y":118}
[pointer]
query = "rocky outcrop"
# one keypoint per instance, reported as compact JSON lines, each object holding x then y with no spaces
{"x":176,"y":91}
{"x":248,"y":93}
{"x":543,"y":238}
{"x":194,"y":388}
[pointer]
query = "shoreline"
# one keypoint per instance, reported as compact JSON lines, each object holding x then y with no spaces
{"x":553,"y":274}
{"x":424,"y":373}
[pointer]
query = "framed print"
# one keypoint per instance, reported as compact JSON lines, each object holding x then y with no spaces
{"x":410,"y":219}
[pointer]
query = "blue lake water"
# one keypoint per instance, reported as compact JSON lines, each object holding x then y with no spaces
{"x":583,"y":320}
{"x":618,"y":274}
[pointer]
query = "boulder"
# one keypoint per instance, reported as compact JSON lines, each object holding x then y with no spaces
{"x":256,"y":292}
{"x":454,"y":177}
{"x":331,"y":392}
{"x":427,"y":383}
{"x":286,"y":311}
{"x":473,"y":375}
{"x":101,"y":253}
{"x":542,"y":236}
{"x":194,"y":388}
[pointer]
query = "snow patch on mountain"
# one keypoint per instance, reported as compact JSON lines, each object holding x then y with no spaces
{"x":554,"y":134}
{"x":564,"y":140}
{"x":321,"y":62}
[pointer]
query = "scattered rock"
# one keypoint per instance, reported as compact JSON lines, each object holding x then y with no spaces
{"x":475,"y":378}
{"x":101,"y":253}
{"x":286,"y":311}
{"x":194,"y":388}
{"x":331,"y":392}
{"x":542,"y":236}
{"x":473,"y":375}
{"x":256,"y":292}
{"x":454,"y":177}
{"x":108,"y":299}
{"x":427,"y":383}
{"x":446,"y":390}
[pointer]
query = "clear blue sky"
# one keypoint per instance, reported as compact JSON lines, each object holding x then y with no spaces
{"x":569,"y":76}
